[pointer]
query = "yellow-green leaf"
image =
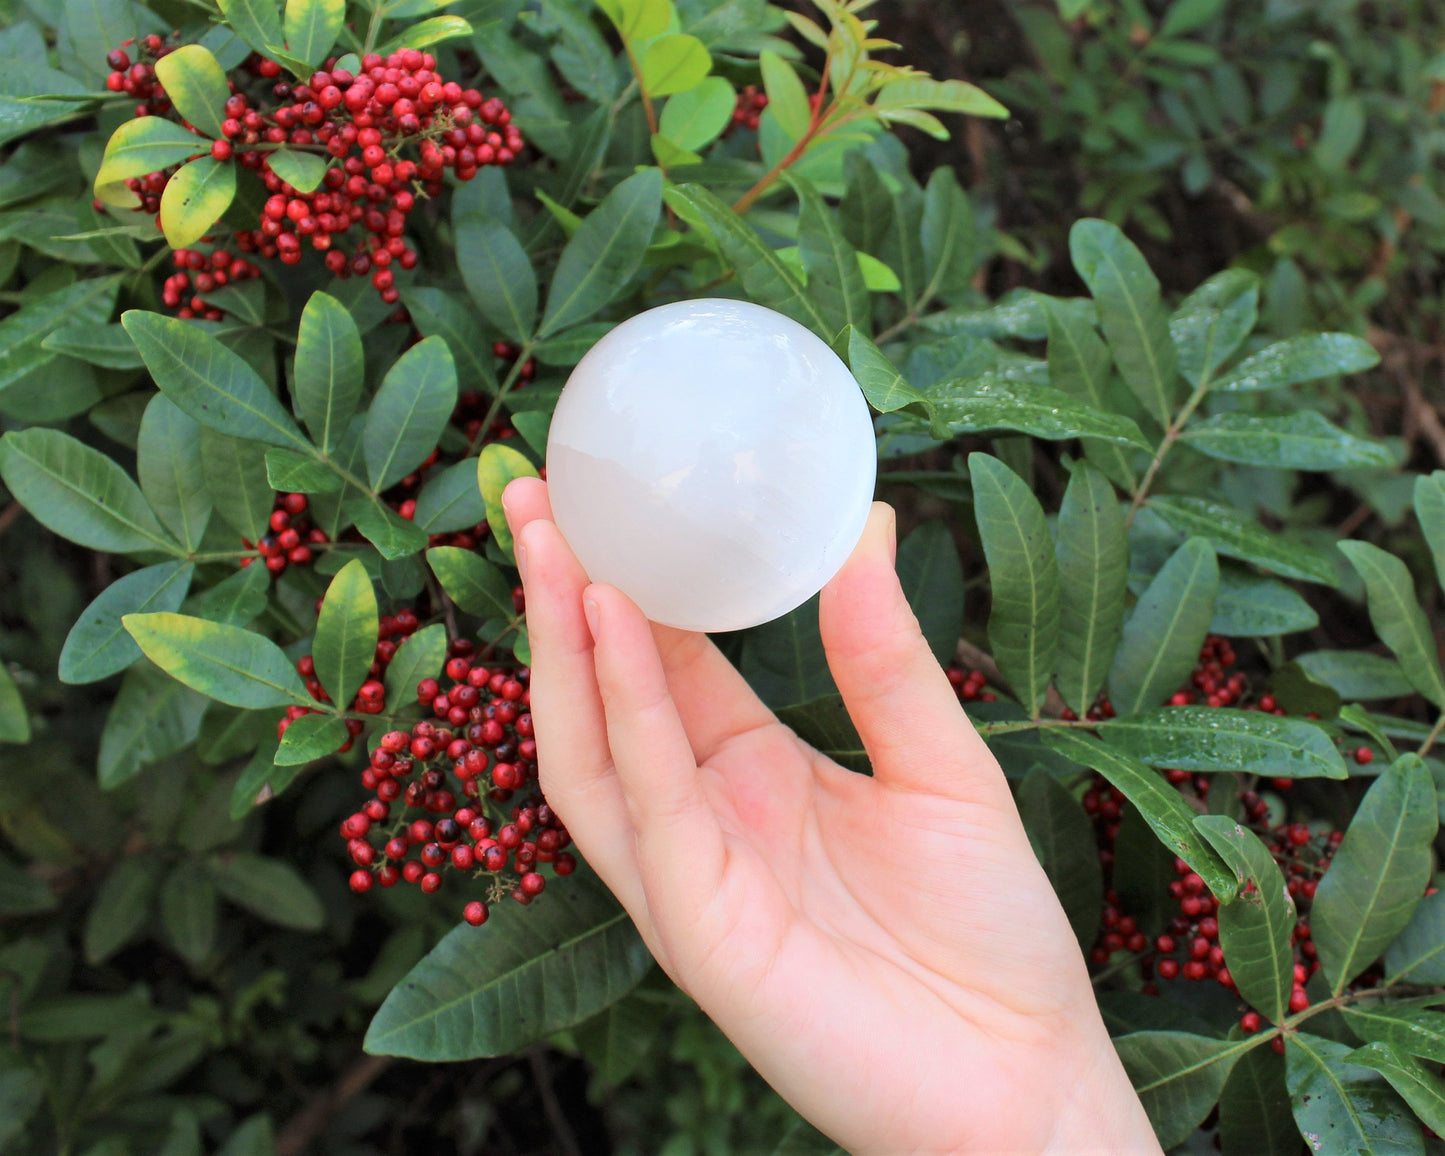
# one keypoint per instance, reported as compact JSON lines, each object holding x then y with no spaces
{"x":312,"y":26}
{"x":141,"y":146}
{"x":498,"y":465}
{"x":195,"y":198}
{"x":227,"y":663}
{"x":196,"y":84}
{"x":674,"y":63}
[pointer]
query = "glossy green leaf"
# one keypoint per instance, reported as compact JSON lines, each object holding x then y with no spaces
{"x":409,"y":413}
{"x":172,"y":473}
{"x":1080,"y":366}
{"x":1254,"y":1107}
{"x":1063,"y":838}
{"x":1379,"y":873}
{"x":1429,"y":503}
{"x":787,"y":98}
{"x":496,"y":466}
{"x":273,"y":890}
{"x":1419,"y":1087}
{"x":346,"y":632}
{"x":695,"y":118}
{"x":498,"y":275}
{"x":1234,"y":535}
{"x":24,"y":333}
{"x":97,"y":645}
{"x":138,"y":147}
{"x":419,"y":657}
{"x":604,"y":253}
{"x":425,"y":33}
{"x":1178,"y":1076}
{"x":1408,"y":1025}
{"x":120,"y":908}
{"x":1163,"y":634}
{"x":152,"y":718}
{"x":289,"y":472}
{"x":226,"y":663}
{"x":1356,"y":675}
{"x":992,"y":402}
{"x":1255,"y":929}
{"x":1023,"y":624}
{"x":1163,"y":808}
{"x":519,"y":978}
{"x":1418,"y":952}
{"x":392,"y":535}
{"x":1299,"y":359}
{"x":1302,"y":440}
{"x":1202,"y":738}
{"x":1093,"y":556}
{"x":79,"y":493}
{"x":1213,"y":321}
{"x":473,"y":583}
{"x":237,"y":482}
{"x":237,"y":600}
{"x":196,"y":84}
{"x":312,"y":26}
{"x":1341,"y":1107}
{"x":835,"y":279}
{"x":310,"y":737}
{"x":638,"y":19}
{"x":302,"y":171}
{"x":764,"y":277}
{"x":783,"y":660}
{"x":437,"y":313}
{"x":883,"y":385}
{"x":195,"y":198}
{"x":189,"y":913}
{"x":106,"y":346}
{"x":940,"y":95}
{"x":329,"y":369}
{"x":949,"y":236}
{"x":825,"y":725}
{"x":866,"y":210}
{"x":1252,"y":606}
{"x":257,"y":22}
{"x":1397,"y":617}
{"x":450,"y":500}
{"x":209,"y":382}
{"x":14,"y":719}
{"x":1130,"y":312}
{"x":674,"y":63}
{"x":931,"y":575}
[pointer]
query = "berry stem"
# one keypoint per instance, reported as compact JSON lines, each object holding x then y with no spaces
{"x":508,"y":382}
{"x":1434,"y":734}
{"x":819,"y":118}
{"x":1171,"y":435}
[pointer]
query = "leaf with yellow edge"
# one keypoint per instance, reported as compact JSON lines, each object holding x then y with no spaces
{"x":231,"y":665}
{"x":195,"y":198}
{"x":141,"y":146}
{"x":196,"y":84}
{"x":498,"y":465}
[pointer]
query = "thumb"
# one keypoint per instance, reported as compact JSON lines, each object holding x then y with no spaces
{"x":899,"y":698}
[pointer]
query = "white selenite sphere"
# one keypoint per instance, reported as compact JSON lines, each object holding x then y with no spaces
{"x":714,"y":460}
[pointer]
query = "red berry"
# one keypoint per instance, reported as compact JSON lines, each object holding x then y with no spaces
{"x":361,"y":881}
{"x":475,"y":913}
{"x":1364,"y":756}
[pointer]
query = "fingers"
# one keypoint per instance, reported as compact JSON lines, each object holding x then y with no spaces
{"x":713,"y":700}
{"x":897,"y":695}
{"x":680,"y":849}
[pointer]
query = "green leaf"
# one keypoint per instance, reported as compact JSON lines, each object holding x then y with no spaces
{"x":97,"y":645}
{"x":783,"y":660}
{"x":22,"y":893}
{"x":1213,"y":321}
{"x":695,"y":118}
{"x":237,"y":600}
{"x":1130,"y":312}
{"x":674,"y":63}
{"x":188,"y":913}
{"x":1299,"y":359}
{"x":1255,"y":929}
{"x":524,"y":975}
{"x":604,"y":253}
{"x":638,"y":19}
{"x":931,"y":575}
{"x":120,"y":908}
{"x":138,"y":147}
{"x":1356,"y":674}
{"x":330,"y":369}
{"x":227,"y":663}
{"x":949,"y":236}
{"x":498,"y":275}
{"x":1410,"y":1025}
{"x":991,"y":402}
{"x":1397,"y":616}
{"x":1162,"y":637}
{"x":209,"y":382}
{"x":787,"y":98}
{"x":450,"y":500}
{"x":1252,"y":606}
{"x":1302,"y":440}
{"x":883,"y":385}
{"x":409,"y":413}
{"x":1429,"y":502}
{"x":427,"y":32}
{"x":1023,"y":623}
{"x":1342,"y":130}
{"x":289,"y":472}
{"x":835,"y":279}
{"x":392,"y":535}
{"x":310,"y":737}
{"x":1378,"y":874}
{"x":346,"y":634}
{"x":257,"y":22}
{"x":269,"y":888}
{"x":420,"y":656}
{"x":312,"y":27}
{"x":1234,"y":535}
{"x":437,"y":313}
{"x":14,"y":719}
{"x":1201,"y":738}
{"x":79,"y":493}
{"x":1420,"y":1088}
{"x":23,"y":334}
{"x":302,"y":171}
{"x":940,"y":95}
{"x":152,"y":718}
{"x":1093,"y":556}
{"x":764,"y":277}
{"x":1254,"y":1109}
{"x":473,"y":583}
{"x":1080,"y":366}
{"x":1178,"y":1076}
{"x":496,"y":466}
{"x":106,"y":346}
{"x":195,"y":199}
{"x":1342,"y":1107}
{"x":196,"y":84}
{"x":1063,"y":839}
{"x":1418,"y":952}
{"x":615,"y":1042}
{"x":172,"y":473}
{"x":825,"y":725}
{"x":237,"y":482}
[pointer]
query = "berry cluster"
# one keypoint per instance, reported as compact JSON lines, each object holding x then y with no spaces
{"x":291,"y":536}
{"x":969,"y":685}
{"x":138,"y":78}
{"x":749,"y":108}
{"x":200,"y":273}
{"x":460,"y":770}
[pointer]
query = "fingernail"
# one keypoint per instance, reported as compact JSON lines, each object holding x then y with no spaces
{"x":521,"y":553}
{"x":592,"y":613}
{"x":892,"y":536}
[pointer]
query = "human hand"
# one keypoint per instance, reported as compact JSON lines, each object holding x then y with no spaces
{"x":885,"y":950}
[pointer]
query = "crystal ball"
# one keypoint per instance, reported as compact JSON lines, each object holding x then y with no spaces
{"x":713,"y":460}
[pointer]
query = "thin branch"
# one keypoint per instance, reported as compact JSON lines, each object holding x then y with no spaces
{"x":556,"y":1118}
{"x":9,"y":515}
{"x":304,"y":1128}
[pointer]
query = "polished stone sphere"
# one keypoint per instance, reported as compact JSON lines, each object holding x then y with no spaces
{"x":714,"y":460}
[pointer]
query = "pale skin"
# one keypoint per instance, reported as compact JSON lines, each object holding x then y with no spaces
{"x":886,"y":951}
